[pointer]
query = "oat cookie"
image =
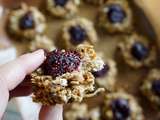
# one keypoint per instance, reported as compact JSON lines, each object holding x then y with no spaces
{"x":25,"y":22}
{"x":96,"y":2}
{"x":106,"y":76}
{"x":62,"y":8}
{"x":78,"y":31}
{"x":115,"y":16}
{"x":41,"y":42}
{"x":137,"y":51}
{"x":121,"y":106}
{"x":151,"y":87}
{"x":81,"y":112}
{"x":66,"y":76}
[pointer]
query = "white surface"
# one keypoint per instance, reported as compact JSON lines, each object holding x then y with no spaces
{"x":28,"y":109}
{"x":7,"y":55}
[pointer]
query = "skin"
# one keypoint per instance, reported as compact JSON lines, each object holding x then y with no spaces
{"x":13,"y":83}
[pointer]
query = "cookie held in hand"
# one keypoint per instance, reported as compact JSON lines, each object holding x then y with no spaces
{"x":66,"y":76}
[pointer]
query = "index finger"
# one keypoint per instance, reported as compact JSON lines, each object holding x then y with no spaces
{"x":14,"y":72}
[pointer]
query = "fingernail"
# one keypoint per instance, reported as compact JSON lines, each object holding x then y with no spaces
{"x":40,"y":52}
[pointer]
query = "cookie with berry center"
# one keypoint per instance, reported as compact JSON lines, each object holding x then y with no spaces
{"x":137,"y":51}
{"x":25,"y":22}
{"x":78,"y":31}
{"x":115,"y":16}
{"x":62,"y":8}
{"x":121,"y":106}
{"x":151,"y":87}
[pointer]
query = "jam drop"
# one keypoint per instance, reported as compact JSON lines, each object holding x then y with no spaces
{"x":156,"y":87}
{"x":59,"y":62}
{"x":116,"y":14}
{"x":27,"y":21}
{"x":102,"y":72}
{"x":78,"y":34}
{"x":139,"y":51}
{"x":120,"y":108}
{"x":61,"y":3}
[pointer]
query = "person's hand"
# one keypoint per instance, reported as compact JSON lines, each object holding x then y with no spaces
{"x":12,"y":83}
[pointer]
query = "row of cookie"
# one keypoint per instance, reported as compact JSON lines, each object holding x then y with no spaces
{"x":150,"y":86}
{"x":119,"y":105}
{"x":116,"y":106}
{"x":28,"y":21}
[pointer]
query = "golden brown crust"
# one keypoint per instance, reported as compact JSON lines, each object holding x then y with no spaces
{"x":41,"y":42}
{"x":81,"y":111}
{"x":146,"y":88}
{"x":96,"y":2}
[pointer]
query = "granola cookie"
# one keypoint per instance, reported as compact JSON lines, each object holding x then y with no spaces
{"x":81,"y":112}
{"x":96,"y":2}
{"x":78,"y":31}
{"x":151,"y":87}
{"x":62,"y":8}
{"x":66,"y":76}
{"x":137,"y":51}
{"x":25,"y":22}
{"x":121,"y":106}
{"x":106,"y":76}
{"x":41,"y":42}
{"x":115,"y":16}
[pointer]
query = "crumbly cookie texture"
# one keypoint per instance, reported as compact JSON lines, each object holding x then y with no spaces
{"x":121,"y":106}
{"x":81,"y":112}
{"x":41,"y":42}
{"x":25,"y":22}
{"x":106,"y":77}
{"x":62,"y":9}
{"x":66,"y":76}
{"x":78,"y":31}
{"x":115,"y":16}
{"x":137,"y":51}
{"x":96,"y":2}
{"x":151,"y":87}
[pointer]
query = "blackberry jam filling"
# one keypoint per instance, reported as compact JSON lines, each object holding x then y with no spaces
{"x":156,"y":87}
{"x":78,"y":34}
{"x":116,"y":14}
{"x":120,"y":108}
{"x":139,"y":51}
{"x":59,"y":62}
{"x":102,"y":72}
{"x":26,"y":22}
{"x":61,"y":3}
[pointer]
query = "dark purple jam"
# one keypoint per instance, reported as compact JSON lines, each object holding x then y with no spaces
{"x":61,"y":3}
{"x":116,"y":14}
{"x":78,"y":34}
{"x":102,"y":72}
{"x":27,"y":21}
{"x":120,"y":108}
{"x":59,"y":62}
{"x":139,"y":51}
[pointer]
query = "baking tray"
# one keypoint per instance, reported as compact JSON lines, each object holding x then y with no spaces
{"x":127,"y":78}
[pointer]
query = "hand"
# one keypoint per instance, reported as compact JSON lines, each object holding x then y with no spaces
{"x":12,"y":83}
